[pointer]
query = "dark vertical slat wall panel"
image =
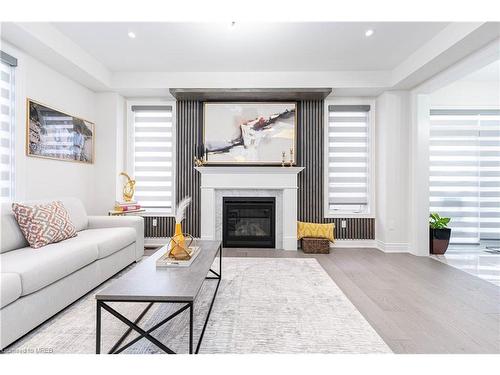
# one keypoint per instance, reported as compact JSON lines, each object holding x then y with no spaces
{"x":188,"y":179}
{"x":311,"y":189}
{"x":164,"y":226}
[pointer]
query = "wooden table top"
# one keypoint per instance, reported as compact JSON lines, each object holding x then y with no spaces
{"x":147,"y":283}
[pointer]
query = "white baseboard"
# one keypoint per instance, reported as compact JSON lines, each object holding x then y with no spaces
{"x":155,"y":241}
{"x":387,"y":247}
{"x":392,"y":247}
{"x":354,"y":243}
{"x":290,"y":243}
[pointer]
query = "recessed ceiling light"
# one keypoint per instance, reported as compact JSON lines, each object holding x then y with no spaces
{"x":369,"y":32}
{"x":131,"y":35}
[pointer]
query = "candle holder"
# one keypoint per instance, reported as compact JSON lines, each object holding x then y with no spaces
{"x":291,"y":158}
{"x":199,"y":162}
{"x":283,"y":154}
{"x":201,"y":159}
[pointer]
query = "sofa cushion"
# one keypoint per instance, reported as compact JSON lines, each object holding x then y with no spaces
{"x":109,"y":240}
{"x":76,"y":212}
{"x":12,"y":238}
{"x":10,"y":288}
{"x":43,"y":224}
{"x":41,"y":267}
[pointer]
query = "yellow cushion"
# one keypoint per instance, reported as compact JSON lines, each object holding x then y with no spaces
{"x":315,"y":230}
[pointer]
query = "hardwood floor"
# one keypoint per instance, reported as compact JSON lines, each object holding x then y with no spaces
{"x":416,"y":304}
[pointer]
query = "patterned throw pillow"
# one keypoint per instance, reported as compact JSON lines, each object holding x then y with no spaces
{"x":315,"y":230}
{"x":43,"y":224}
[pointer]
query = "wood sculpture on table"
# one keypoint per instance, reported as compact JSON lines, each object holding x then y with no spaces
{"x":179,"y":248}
{"x":128,"y":188}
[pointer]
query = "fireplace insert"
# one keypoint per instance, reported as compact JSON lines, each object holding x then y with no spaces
{"x":248,"y":222}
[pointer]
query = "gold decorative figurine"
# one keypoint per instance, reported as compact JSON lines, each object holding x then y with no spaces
{"x":128,"y":188}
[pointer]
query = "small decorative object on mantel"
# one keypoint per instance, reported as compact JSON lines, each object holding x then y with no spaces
{"x":128,"y":188}
{"x":199,"y":162}
{"x":200,"y":158}
{"x":283,"y":154}
{"x":178,"y":248}
{"x":290,"y":164}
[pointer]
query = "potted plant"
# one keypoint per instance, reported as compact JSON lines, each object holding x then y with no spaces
{"x":439,"y":233}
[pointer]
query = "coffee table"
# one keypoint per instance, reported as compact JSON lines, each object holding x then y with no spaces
{"x":147,"y":283}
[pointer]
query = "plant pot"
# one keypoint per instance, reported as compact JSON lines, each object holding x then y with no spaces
{"x":439,"y":240}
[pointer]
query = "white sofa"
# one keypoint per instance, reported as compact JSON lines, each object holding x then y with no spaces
{"x":35,"y":284}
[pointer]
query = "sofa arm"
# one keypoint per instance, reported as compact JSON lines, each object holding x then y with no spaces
{"x":135,"y":222}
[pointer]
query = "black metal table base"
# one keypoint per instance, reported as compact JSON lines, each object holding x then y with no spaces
{"x":134,"y":326}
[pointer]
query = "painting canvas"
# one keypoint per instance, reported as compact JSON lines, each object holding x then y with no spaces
{"x":249,"y":133}
{"x":56,"y":135}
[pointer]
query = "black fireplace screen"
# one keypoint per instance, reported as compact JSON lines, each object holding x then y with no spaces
{"x":248,"y":222}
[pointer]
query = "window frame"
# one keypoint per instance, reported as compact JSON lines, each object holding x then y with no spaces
{"x":371,"y":206}
{"x":12,"y":62}
{"x":129,"y":158}
{"x":453,"y":107}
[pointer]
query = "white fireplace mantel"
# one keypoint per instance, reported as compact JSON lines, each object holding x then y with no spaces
{"x":280,"y":182}
{"x":249,"y":170}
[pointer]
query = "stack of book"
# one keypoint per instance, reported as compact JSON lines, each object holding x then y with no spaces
{"x":127,"y":207}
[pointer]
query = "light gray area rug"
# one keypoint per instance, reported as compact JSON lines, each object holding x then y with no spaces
{"x":264,"y":305}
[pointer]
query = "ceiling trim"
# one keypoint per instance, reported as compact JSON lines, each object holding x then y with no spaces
{"x":452,"y":44}
{"x":47,"y":44}
{"x":257,"y":94}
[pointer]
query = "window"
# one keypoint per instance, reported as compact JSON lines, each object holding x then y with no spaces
{"x":7,"y":140}
{"x":348,"y":159}
{"x":152,"y":157}
{"x":465,"y":172}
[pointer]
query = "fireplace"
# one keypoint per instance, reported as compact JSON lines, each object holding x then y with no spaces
{"x":248,"y":222}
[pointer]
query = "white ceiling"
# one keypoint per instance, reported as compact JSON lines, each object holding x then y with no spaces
{"x":247,"y":47}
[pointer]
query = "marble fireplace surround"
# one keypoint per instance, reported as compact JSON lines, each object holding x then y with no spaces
{"x":278,"y":182}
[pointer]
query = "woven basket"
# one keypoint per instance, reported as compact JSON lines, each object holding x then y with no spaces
{"x":312,"y":245}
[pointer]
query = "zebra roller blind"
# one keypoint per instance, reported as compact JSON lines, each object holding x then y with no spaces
{"x":348,"y":158}
{"x":7,"y":66}
{"x":465,"y":172}
{"x":153,"y":163}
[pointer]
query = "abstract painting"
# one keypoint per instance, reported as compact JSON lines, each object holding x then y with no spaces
{"x":53,"y":134}
{"x":249,"y":133}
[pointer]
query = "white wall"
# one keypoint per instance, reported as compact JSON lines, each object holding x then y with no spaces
{"x":468,"y":94}
{"x":110,"y":115}
{"x":392,"y":143}
{"x":42,"y":178}
{"x":95,"y":184}
{"x":418,"y":171}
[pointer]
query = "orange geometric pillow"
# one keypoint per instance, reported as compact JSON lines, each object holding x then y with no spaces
{"x":43,"y":224}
